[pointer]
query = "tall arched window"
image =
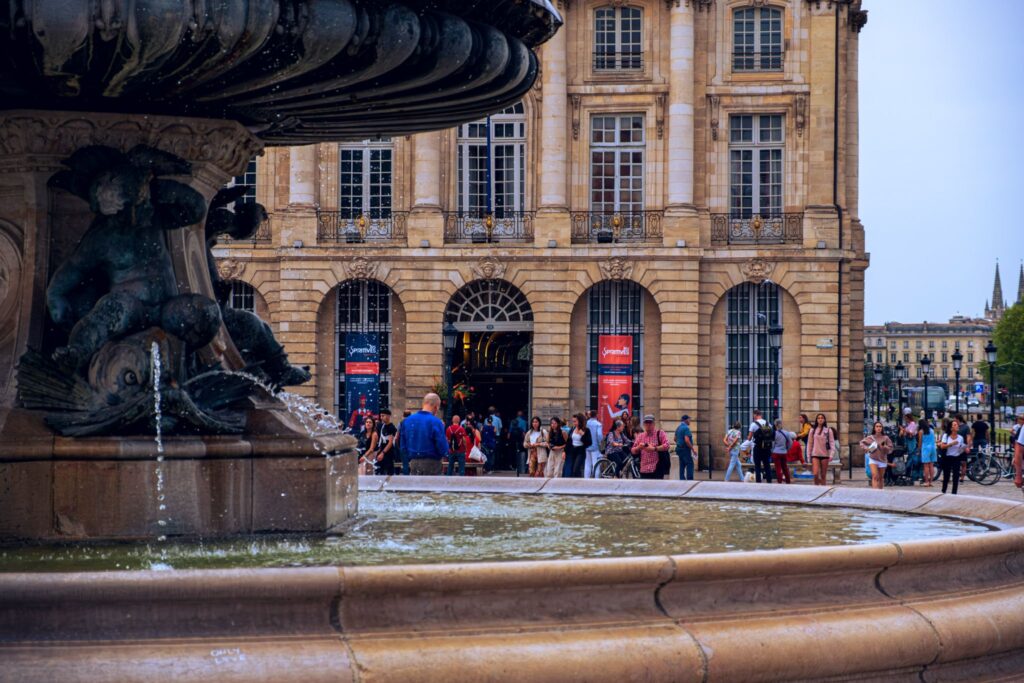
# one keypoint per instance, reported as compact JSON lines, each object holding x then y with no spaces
{"x":247,"y":178}
{"x":616,"y":307}
{"x":752,"y":367}
{"x":364,"y":306}
{"x":492,"y":164}
{"x":618,"y":38}
{"x":757,"y":39}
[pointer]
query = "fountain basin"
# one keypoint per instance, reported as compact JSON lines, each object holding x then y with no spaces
{"x":949,"y":609}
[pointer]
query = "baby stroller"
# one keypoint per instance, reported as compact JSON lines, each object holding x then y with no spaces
{"x":898,"y":472}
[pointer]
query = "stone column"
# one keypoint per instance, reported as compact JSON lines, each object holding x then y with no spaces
{"x":681,"y":221}
{"x":425,"y":219}
{"x":298,"y":229}
{"x":553,"y":150}
{"x":821,"y":221}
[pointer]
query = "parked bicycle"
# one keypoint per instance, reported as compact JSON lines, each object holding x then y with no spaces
{"x":990,"y":466}
{"x":606,"y":468}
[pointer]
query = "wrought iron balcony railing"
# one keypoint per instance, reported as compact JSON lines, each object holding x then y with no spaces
{"x":603,"y":227}
{"x":618,"y":61}
{"x":355,"y":227}
{"x":474,"y":227}
{"x":772,"y":60}
{"x":781,"y":228}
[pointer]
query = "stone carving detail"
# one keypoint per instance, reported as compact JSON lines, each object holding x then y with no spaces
{"x":699,"y":4}
{"x":757,"y":270}
{"x":362,"y":268}
{"x":800,"y":120}
{"x":576,"y":102}
{"x":230,"y":269}
{"x":616,"y":268}
{"x":128,"y":329}
{"x":224,"y":144}
{"x":713,"y":103}
{"x":489,"y":268}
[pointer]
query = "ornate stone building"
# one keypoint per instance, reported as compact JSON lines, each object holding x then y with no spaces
{"x":683,"y":173}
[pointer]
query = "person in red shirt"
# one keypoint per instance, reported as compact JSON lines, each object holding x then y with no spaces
{"x":458,"y":443}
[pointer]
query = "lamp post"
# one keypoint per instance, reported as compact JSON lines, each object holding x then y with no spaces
{"x":958,"y":361}
{"x":450,"y":338}
{"x":878,"y":396}
{"x":926,"y":368}
{"x":990,"y":356}
{"x":900,"y":370}
{"x":775,"y":343}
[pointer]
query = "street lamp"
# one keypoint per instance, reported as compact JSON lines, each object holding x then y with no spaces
{"x":878,"y":384}
{"x":926,"y":368}
{"x":958,"y":361}
{"x":900,"y":376}
{"x":775,"y":343}
{"x":990,"y":356}
{"x":450,"y":339}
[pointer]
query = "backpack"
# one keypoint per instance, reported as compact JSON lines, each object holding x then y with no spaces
{"x":764,"y":439}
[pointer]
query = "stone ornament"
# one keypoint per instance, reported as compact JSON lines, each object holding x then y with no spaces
{"x":362,"y":268}
{"x":10,"y":297}
{"x":757,"y":270}
{"x":714,"y":101}
{"x":616,"y":268}
{"x":800,"y":104}
{"x":489,"y":268}
{"x":230,"y":269}
{"x":576,"y":103}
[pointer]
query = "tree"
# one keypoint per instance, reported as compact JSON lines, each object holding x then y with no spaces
{"x":1009,"y":340}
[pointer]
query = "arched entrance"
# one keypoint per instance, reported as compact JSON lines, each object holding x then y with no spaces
{"x":494,"y":352}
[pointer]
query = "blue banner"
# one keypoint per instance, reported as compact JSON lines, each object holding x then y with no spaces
{"x":362,"y":376}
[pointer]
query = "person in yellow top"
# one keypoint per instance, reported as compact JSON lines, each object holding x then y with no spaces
{"x":802,"y":435}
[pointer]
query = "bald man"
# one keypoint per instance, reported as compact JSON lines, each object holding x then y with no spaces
{"x":422,"y":436}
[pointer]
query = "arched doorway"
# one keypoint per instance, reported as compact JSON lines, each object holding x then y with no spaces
{"x":494,"y":352}
{"x":752,"y":365}
{"x":245,"y":297}
{"x":363,"y":314}
{"x":622,"y":323}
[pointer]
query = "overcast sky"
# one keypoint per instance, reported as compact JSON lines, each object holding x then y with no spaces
{"x":942,"y":155}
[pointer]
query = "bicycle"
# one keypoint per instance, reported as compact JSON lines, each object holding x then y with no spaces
{"x":606,"y":468}
{"x":990,"y":466}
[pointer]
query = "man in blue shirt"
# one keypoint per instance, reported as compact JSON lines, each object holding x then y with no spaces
{"x":684,"y":448}
{"x":422,"y":436}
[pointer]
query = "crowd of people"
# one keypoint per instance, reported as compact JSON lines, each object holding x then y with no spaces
{"x":423,"y":444}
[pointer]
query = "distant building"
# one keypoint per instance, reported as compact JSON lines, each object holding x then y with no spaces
{"x":908,"y":343}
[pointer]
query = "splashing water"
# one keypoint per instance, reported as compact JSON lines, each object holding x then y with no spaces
{"x":154,"y":351}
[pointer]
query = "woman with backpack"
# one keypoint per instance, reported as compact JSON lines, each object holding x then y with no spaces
{"x":821,"y":444}
{"x":556,"y":449}
{"x":732,"y":444}
{"x":763,"y":436}
{"x":536,"y":444}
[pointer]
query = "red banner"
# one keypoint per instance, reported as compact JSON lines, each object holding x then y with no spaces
{"x":614,"y":377}
{"x":362,"y":368}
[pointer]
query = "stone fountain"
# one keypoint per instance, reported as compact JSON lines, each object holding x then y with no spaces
{"x":121,"y":369}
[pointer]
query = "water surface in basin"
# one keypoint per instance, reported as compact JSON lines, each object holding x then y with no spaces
{"x":425,"y":528}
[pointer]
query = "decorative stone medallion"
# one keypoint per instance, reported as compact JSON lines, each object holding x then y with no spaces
{"x":489,"y":268}
{"x":230,"y":269}
{"x":362,"y":268}
{"x":616,"y":268}
{"x":757,"y":270}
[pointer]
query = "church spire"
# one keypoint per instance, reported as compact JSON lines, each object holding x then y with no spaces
{"x":998,"y":302}
{"x":1020,"y":285}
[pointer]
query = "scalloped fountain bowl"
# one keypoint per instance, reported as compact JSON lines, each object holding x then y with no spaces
{"x":915,"y":586}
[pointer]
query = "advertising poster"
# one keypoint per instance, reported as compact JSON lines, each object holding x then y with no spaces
{"x":614,"y":377}
{"x":362,"y":376}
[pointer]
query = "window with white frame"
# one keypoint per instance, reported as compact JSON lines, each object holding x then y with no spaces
{"x":757,"y":39}
{"x":618,"y":38}
{"x":243,"y":296}
{"x":617,"y":163}
{"x":247,"y":178}
{"x":364,"y":179}
{"x":755,"y":165}
{"x":491,"y":168}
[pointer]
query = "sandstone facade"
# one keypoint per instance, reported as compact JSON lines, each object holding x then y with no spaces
{"x":685,"y":84}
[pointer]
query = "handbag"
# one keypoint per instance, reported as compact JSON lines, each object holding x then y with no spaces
{"x":477,"y":455}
